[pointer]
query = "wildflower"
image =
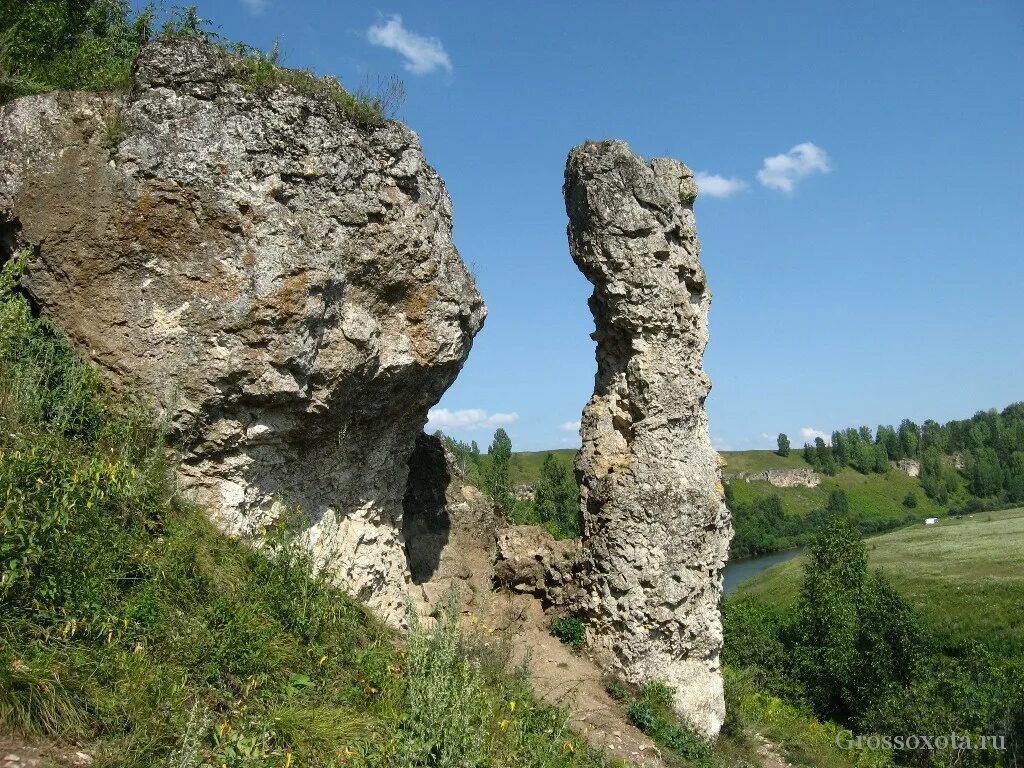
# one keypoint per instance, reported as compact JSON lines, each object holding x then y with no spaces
{"x":512,"y":706}
{"x":504,"y":724}
{"x":568,"y":746}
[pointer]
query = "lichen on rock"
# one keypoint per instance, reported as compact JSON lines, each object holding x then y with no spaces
{"x":655,"y":527}
{"x":278,"y":280}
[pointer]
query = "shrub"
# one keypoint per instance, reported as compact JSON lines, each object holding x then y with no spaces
{"x":54,"y":44}
{"x":652,"y":713}
{"x":570,"y":630}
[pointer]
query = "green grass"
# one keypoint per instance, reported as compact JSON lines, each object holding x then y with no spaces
{"x":758,"y":461}
{"x":130,"y":626}
{"x":526,"y":465}
{"x":877,"y":497}
{"x":963,"y":576}
{"x":875,"y":501}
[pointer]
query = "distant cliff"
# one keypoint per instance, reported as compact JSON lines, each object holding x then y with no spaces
{"x":276,"y":277}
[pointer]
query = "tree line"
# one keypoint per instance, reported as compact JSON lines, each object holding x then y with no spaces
{"x":555,"y":506}
{"x":982,"y":456}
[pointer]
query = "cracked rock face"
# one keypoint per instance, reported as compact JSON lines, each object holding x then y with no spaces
{"x":279,"y":281}
{"x":655,"y":526}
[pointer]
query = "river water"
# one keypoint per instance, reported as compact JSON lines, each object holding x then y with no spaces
{"x":740,"y":570}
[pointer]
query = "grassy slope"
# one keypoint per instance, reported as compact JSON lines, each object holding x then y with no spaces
{"x":525,"y":469}
{"x":964,"y":576}
{"x":877,"y":497}
{"x":130,"y":626}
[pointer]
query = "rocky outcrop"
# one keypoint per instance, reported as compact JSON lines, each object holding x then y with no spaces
{"x":655,"y":528}
{"x":524,"y":493}
{"x":530,"y":560}
{"x":278,"y":280}
{"x":785,"y":478}
{"x":909,"y":466}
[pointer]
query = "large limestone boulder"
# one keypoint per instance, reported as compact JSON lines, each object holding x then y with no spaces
{"x":278,"y":280}
{"x":787,"y":478}
{"x":655,"y":527}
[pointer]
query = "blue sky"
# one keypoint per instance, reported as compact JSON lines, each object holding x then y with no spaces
{"x":886,"y":281}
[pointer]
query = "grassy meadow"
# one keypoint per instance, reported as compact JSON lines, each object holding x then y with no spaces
{"x":965,"y":577}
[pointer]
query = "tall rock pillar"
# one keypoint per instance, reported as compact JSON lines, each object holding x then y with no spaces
{"x":655,"y":527}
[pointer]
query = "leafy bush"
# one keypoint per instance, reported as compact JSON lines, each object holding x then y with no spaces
{"x":652,"y":713}
{"x":55,"y":44}
{"x":570,"y":630}
{"x":91,"y":45}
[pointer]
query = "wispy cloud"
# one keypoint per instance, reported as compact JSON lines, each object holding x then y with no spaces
{"x":422,"y":54}
{"x":716,"y":185}
{"x":256,"y":6}
{"x":782,"y":172}
{"x":569,"y":426}
{"x":468,"y":419}
{"x":720,"y":445}
{"x":810,"y":433}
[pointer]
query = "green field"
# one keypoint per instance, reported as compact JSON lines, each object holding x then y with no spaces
{"x":875,"y":496}
{"x":966,"y":576}
{"x":525,"y":467}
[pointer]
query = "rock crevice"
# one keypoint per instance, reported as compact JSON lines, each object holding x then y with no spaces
{"x":655,"y":526}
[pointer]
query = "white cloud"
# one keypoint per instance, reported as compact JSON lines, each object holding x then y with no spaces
{"x":782,"y":172}
{"x":468,"y":419}
{"x":256,"y":6}
{"x":720,"y":445}
{"x":569,"y":426}
{"x":422,"y":54}
{"x":809,"y":434}
{"x":715,"y":185}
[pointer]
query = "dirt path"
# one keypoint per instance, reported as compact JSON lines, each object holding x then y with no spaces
{"x":16,"y":752}
{"x":576,"y":683}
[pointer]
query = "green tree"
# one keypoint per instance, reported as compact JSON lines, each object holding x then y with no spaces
{"x":910,"y":438}
{"x":854,"y":637}
{"x":783,"y":442}
{"x":881,"y":463}
{"x":558,"y":499}
{"x":68,"y":44}
{"x":497,"y":481}
{"x":840,"y":448}
{"x":838,"y":503}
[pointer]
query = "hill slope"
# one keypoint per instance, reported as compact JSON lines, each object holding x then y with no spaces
{"x":964,"y":576}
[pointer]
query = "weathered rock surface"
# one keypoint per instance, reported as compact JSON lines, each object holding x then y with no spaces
{"x":909,"y":466}
{"x":281,"y":282}
{"x":785,"y":478}
{"x":655,"y":527}
{"x":532,"y":561}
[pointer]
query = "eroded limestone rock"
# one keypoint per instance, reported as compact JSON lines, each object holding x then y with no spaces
{"x":655,"y":528}
{"x":787,"y":478}
{"x":281,"y":282}
{"x":532,"y":561}
{"x":909,"y":466}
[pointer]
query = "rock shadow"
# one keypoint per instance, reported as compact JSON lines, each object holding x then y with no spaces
{"x":426,"y":525}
